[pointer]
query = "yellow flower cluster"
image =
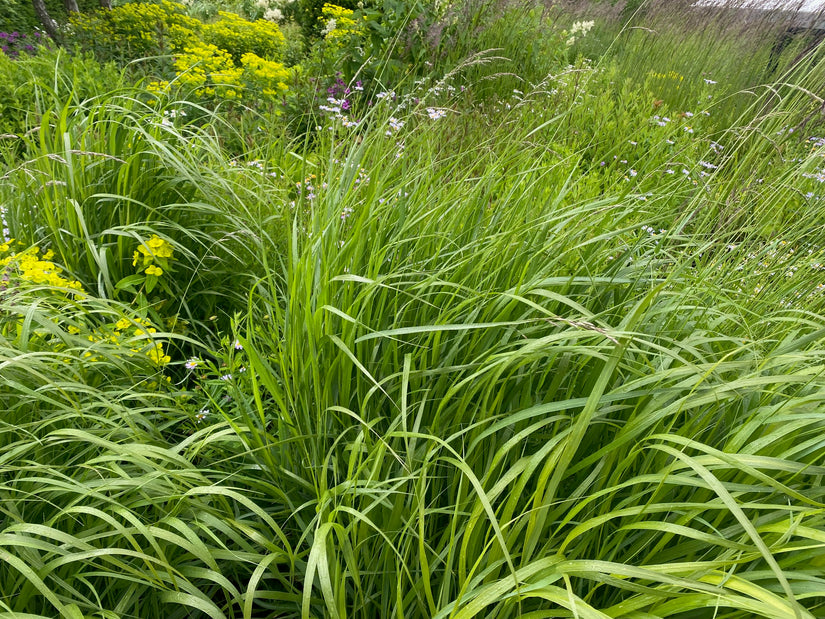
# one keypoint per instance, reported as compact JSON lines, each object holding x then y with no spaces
{"x":339,"y":24}
{"x":157,"y":87}
{"x":219,"y":59}
{"x":153,"y":256}
{"x":28,"y":267}
{"x":140,"y":27}
{"x":265,"y":75}
{"x":212,"y":73}
{"x":208,"y":57}
{"x":154,"y":350}
{"x":204,"y":66}
{"x":129,"y":328}
{"x":233,"y":32}
{"x":671,"y":75}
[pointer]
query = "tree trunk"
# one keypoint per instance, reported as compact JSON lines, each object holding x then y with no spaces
{"x":49,"y":25}
{"x":71,"y":6}
{"x":105,"y":4}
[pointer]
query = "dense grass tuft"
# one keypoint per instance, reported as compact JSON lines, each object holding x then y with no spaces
{"x":538,"y":343}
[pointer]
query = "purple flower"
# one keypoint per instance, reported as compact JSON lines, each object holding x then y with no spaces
{"x":345,"y":105}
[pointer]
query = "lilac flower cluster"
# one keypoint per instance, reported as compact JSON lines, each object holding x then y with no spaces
{"x":12,"y":44}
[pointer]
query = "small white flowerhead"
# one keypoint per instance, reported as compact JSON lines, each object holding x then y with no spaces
{"x":329,"y":27}
{"x":274,"y":15}
{"x":581,"y":27}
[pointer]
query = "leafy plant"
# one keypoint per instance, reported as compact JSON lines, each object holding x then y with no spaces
{"x":31,"y":85}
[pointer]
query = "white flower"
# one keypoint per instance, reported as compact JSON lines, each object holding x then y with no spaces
{"x":581,"y":27}
{"x":329,"y":27}
{"x":273,"y":15}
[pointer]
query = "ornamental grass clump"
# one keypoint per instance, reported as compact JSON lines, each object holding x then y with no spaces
{"x":539,"y":345}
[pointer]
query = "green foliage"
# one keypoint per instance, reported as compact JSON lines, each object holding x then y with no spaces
{"x":484,"y":344}
{"x":134,"y":30}
{"x":203,"y":68}
{"x":113,"y":189}
{"x":18,"y":15}
{"x":240,"y":36}
{"x":30,"y":86}
{"x":309,"y":13}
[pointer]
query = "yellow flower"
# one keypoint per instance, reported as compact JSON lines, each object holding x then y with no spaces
{"x":153,"y":270}
{"x":28,"y":267}
{"x":156,"y":354}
